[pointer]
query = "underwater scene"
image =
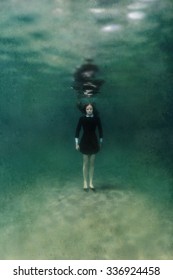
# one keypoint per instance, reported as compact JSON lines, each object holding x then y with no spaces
{"x":44,"y":211}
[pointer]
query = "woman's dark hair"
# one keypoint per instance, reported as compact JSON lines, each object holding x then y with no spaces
{"x":82,"y":108}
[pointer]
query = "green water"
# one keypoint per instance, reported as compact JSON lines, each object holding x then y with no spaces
{"x":44,"y":212}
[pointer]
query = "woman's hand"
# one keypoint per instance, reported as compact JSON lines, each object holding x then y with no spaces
{"x":77,"y":147}
{"x":101,"y":141}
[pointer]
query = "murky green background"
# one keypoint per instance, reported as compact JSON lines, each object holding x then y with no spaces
{"x":44,"y":213}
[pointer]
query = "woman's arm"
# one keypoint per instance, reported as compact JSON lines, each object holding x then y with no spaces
{"x":100,"y":130}
{"x":78,"y":128}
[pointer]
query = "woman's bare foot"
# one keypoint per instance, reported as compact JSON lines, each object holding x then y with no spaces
{"x":85,"y":187}
{"x":91,"y":186}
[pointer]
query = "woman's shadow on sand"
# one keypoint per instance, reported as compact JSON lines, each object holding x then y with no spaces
{"x":104,"y":187}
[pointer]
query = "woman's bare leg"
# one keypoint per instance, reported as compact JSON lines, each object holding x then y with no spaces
{"x":91,"y":170}
{"x":85,"y":170}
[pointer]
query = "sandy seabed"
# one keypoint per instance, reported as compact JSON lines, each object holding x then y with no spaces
{"x":54,"y":221}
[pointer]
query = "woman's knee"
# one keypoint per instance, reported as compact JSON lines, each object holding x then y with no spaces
{"x":92,"y":159}
{"x":85,"y":160}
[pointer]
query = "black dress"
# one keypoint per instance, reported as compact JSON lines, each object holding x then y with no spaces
{"x":89,"y":143}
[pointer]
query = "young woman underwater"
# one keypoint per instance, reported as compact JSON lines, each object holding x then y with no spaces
{"x":89,"y":144}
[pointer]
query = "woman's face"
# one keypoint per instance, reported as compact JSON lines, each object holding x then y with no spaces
{"x":89,"y":109}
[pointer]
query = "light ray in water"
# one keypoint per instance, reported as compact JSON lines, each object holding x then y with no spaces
{"x":136,"y":15}
{"x":112,"y":28}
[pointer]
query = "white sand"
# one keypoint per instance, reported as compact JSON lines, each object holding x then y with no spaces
{"x":54,"y":222}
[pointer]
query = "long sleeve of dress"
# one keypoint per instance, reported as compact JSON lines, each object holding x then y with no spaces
{"x":100,"y":130}
{"x":78,"y":128}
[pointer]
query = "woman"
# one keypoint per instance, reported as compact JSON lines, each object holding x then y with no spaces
{"x":89,"y":144}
